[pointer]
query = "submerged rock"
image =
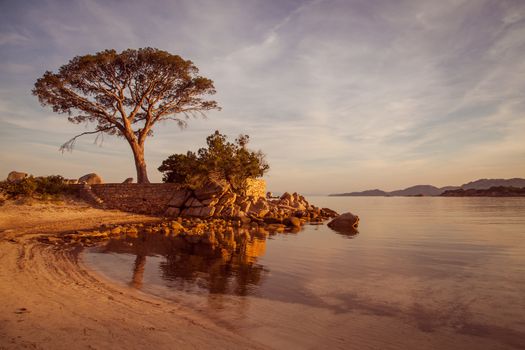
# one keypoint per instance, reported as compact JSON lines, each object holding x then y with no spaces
{"x":346,"y":222}
{"x":293,"y":221}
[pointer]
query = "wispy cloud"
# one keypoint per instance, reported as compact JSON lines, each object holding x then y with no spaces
{"x":337,"y":93}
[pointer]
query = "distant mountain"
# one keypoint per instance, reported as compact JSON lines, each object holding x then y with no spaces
{"x":429,"y":190}
{"x":369,"y":193}
{"x":495,"y":191}
{"x":484,"y":184}
{"x":418,"y":190}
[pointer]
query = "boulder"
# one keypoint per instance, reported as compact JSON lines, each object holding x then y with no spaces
{"x":260,"y":208}
{"x":193,"y":202}
{"x":227,"y":199}
{"x":15,"y":176}
{"x":329,"y":213}
{"x":346,"y":222}
{"x":129,"y":180}
{"x":210,"y":202}
{"x":199,"y":211}
{"x":172,"y":211}
{"x":292,"y":221}
{"x":245,"y":205}
{"x":211,"y":189}
{"x":179,"y":198}
{"x":286,"y":196}
{"x":90,"y":179}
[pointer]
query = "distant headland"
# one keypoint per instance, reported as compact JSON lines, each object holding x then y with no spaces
{"x":482,"y":187}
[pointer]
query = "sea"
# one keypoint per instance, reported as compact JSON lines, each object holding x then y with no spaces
{"x":419,"y":273}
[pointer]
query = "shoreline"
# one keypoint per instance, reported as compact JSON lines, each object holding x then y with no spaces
{"x":51,"y":299}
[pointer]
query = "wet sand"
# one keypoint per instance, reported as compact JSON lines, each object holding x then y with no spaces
{"x":50,"y":300}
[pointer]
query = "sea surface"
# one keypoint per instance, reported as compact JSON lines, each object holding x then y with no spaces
{"x":421,"y":273}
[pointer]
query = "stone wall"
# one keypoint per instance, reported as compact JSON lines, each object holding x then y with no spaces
{"x":256,"y":188}
{"x":137,"y":198}
{"x":215,"y":199}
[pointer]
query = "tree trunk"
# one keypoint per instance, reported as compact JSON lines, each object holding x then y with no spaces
{"x":140,"y":163}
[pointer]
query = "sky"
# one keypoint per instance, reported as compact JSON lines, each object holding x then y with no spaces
{"x":340,"y":95}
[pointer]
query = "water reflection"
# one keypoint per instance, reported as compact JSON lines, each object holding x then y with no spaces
{"x":223,"y":263}
{"x":348,"y":232}
{"x":423,"y":273}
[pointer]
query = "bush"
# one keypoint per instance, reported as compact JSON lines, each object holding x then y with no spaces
{"x":30,"y":186}
{"x":223,"y":160}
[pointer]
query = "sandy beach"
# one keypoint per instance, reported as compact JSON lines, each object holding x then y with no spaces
{"x":50,"y":300}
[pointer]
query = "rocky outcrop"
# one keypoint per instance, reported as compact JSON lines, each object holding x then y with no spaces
{"x":16,"y":176}
{"x":217,"y":200}
{"x":90,"y":179}
{"x":346,"y":222}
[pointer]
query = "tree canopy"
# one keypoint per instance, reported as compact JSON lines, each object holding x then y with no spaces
{"x":126,"y":94}
{"x":230,"y":161}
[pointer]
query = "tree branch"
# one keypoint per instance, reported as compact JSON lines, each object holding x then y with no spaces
{"x":70,"y":144}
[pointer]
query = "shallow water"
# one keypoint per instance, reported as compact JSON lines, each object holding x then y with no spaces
{"x":436,"y":273}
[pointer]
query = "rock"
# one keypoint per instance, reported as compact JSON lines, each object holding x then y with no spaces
{"x":175,"y":225}
{"x":199,"y":211}
{"x":286,"y":196}
{"x":227,"y":199}
{"x":260,"y":208}
{"x":298,"y":206}
{"x":172,"y":211}
{"x":193,"y":202}
{"x":116,"y":231}
{"x":129,"y":180}
{"x":245,"y":205}
{"x":206,"y":212}
{"x":90,"y":179}
{"x":346,"y":222}
{"x":211,"y":189}
{"x":245,"y":220}
{"x":210,"y":202}
{"x":16,"y":176}
{"x":273,"y":220}
{"x":292,"y":221}
{"x":218,"y":210}
{"x":179,"y":198}
{"x":327,"y":212}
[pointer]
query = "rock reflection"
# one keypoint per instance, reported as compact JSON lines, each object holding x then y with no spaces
{"x":219,"y":262}
{"x":349,"y":232}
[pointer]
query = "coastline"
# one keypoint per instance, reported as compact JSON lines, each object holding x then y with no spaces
{"x":50,"y":299}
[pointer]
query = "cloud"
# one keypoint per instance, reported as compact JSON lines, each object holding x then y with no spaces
{"x":337,"y":93}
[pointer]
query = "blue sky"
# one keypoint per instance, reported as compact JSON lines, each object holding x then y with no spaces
{"x":340,"y":95}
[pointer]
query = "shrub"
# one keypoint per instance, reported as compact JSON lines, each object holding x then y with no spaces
{"x":31,"y":186}
{"x":222,"y":159}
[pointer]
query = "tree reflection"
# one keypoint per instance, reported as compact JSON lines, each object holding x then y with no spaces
{"x":226,"y":263}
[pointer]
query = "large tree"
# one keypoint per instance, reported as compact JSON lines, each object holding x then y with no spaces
{"x":126,"y":94}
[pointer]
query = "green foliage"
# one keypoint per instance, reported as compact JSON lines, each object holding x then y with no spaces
{"x":222,"y":159}
{"x":43,"y":187}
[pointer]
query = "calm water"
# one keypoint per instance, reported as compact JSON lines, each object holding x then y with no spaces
{"x":422,"y":273}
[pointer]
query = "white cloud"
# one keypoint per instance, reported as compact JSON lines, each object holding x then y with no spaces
{"x":337,"y":93}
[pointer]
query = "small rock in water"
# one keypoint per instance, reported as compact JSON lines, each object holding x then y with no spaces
{"x":346,"y":222}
